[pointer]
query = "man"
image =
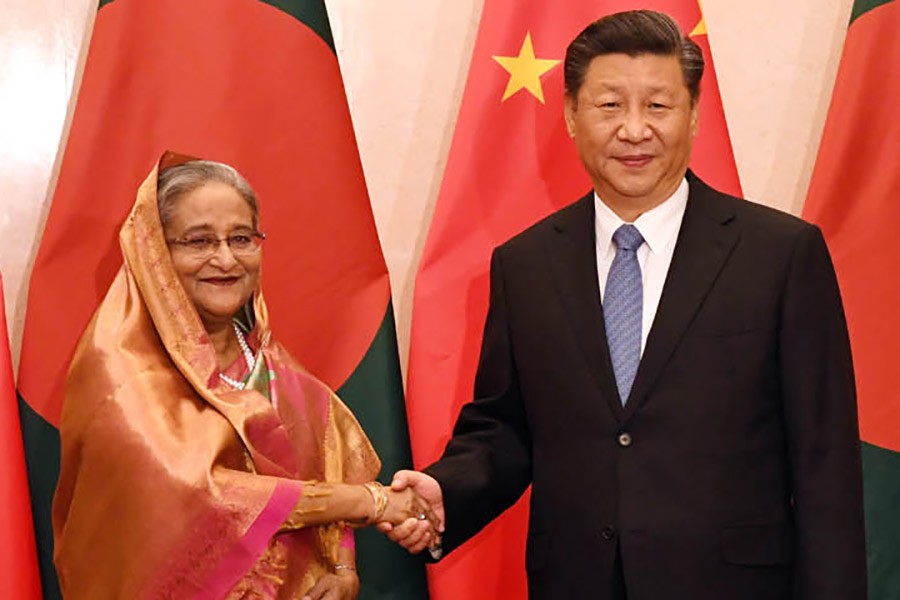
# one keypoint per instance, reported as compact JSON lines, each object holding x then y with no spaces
{"x":666,"y":365}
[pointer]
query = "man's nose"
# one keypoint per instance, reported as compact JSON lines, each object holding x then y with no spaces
{"x":634,"y":127}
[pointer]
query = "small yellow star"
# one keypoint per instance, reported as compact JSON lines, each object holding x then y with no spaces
{"x":525,"y":70}
{"x":700,"y":29}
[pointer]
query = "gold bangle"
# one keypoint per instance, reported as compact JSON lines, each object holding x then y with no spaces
{"x":348,"y":567}
{"x":379,"y":498}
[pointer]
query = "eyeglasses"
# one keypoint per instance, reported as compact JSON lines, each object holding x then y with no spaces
{"x":243,"y":243}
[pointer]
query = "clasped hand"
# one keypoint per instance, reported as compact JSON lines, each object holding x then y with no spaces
{"x":418,"y":521}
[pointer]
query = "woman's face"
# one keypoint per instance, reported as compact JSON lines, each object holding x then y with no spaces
{"x":217,"y":280}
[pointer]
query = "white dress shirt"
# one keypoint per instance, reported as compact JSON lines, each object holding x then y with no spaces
{"x":659,"y":228}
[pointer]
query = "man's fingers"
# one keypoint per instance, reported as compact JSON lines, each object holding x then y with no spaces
{"x":403,"y":530}
{"x":420,"y":541}
{"x":413,"y":535}
{"x":402,"y":480}
{"x":408,"y":532}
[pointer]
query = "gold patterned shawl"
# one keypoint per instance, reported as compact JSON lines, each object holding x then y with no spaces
{"x":170,"y":485}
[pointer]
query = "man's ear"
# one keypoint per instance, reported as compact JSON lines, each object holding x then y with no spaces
{"x":695,"y":117}
{"x":571,"y":105}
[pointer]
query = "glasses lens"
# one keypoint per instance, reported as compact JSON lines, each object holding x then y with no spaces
{"x":201,"y":245}
{"x":244,"y":243}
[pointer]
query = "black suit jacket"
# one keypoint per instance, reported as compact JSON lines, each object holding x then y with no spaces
{"x":734,"y":470}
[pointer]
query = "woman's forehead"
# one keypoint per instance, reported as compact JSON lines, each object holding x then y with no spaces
{"x":214,"y":204}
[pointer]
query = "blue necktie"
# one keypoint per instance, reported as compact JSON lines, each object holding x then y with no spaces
{"x":623,"y":303}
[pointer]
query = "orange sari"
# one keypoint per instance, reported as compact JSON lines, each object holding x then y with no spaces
{"x":173,"y":485}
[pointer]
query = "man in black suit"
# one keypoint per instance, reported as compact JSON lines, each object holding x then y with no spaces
{"x":666,"y":365}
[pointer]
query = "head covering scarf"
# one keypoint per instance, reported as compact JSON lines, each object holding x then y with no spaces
{"x":172,"y":485}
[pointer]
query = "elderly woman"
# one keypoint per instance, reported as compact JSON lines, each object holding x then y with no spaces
{"x":198,"y":458}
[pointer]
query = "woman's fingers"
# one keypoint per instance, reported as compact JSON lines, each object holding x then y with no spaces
{"x":329,"y":587}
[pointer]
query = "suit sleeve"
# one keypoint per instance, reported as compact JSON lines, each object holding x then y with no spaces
{"x":486,"y":466}
{"x":823,"y":432}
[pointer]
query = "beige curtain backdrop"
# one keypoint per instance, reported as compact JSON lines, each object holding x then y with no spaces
{"x":404,"y":64}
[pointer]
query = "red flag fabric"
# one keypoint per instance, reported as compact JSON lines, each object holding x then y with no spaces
{"x":172,"y":75}
{"x":256,"y":84}
{"x":511,"y":162}
{"x":18,"y":556}
{"x":853,"y":198}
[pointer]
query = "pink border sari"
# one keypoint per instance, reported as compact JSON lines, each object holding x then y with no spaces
{"x":172,"y":486}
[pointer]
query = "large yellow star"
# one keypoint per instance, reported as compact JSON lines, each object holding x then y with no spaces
{"x":525,"y":70}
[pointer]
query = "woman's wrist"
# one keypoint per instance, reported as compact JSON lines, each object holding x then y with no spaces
{"x":379,"y":501}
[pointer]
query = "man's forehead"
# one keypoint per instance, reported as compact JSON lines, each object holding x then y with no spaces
{"x":649,"y":72}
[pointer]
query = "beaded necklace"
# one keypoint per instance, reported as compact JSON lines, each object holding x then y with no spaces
{"x":248,"y":356}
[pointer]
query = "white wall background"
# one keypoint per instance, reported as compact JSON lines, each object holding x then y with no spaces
{"x":404,"y":64}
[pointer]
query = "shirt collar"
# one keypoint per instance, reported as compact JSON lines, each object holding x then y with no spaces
{"x":658,"y":226}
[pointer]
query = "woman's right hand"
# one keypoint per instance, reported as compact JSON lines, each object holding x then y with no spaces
{"x":406,"y":504}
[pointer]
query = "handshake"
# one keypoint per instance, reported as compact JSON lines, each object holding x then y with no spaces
{"x":412,"y":512}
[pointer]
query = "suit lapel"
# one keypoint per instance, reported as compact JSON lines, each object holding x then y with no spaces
{"x":573,"y":259}
{"x":705,"y":241}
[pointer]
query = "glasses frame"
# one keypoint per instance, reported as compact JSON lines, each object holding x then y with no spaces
{"x":184,"y":243}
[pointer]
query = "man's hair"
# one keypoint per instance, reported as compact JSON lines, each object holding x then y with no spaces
{"x":634,"y":33}
{"x":181,"y":179}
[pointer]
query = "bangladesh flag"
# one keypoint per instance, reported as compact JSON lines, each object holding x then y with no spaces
{"x":855,"y":198}
{"x":511,"y":162}
{"x":256,"y":85}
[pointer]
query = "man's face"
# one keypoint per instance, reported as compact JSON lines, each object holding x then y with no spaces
{"x":633,"y":123}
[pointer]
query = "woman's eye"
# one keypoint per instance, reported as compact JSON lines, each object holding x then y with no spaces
{"x":240,"y":240}
{"x":199,"y":243}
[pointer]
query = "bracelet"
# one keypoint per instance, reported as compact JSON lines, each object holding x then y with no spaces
{"x":379,"y":498}
{"x":348,"y":567}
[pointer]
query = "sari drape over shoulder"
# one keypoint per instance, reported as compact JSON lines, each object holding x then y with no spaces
{"x":173,"y":485}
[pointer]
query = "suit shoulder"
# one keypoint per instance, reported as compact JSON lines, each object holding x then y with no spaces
{"x":580,"y":211}
{"x":753,"y":217}
{"x":770,"y":218}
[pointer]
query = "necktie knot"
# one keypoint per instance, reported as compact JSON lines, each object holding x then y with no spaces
{"x":627,"y":237}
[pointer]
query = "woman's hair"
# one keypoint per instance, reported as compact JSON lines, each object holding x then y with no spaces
{"x":187,"y":177}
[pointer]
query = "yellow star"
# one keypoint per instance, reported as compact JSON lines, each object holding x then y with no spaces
{"x":525,"y":70}
{"x":700,"y":29}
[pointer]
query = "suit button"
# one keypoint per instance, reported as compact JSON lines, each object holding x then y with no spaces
{"x":624,"y":439}
{"x":608,"y":533}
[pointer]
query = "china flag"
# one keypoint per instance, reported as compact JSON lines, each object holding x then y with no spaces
{"x":511,"y":162}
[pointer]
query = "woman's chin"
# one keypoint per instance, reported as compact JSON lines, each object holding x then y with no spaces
{"x":218,"y":314}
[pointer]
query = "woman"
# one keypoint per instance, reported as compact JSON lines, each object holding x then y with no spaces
{"x":198,"y":458}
